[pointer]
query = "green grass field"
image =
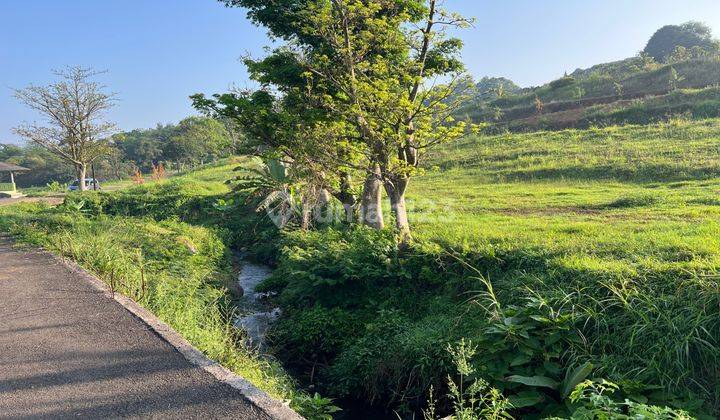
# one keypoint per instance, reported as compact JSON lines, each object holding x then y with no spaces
{"x":626,"y":193}
{"x":606,"y":239}
{"x":623,"y":222}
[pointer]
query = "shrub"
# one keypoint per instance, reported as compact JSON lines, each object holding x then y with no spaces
{"x":592,"y":400}
{"x":562,"y":82}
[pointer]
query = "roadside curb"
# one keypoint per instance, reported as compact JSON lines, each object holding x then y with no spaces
{"x":272,"y":407}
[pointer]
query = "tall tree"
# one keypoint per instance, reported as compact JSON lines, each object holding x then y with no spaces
{"x":74,"y":109}
{"x":371,"y":63}
{"x":688,"y":35}
{"x":197,"y":139}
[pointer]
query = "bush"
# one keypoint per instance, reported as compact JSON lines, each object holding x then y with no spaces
{"x":562,"y":82}
{"x":592,"y":400}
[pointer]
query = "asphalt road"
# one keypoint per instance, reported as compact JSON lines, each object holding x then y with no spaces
{"x":68,"y":351}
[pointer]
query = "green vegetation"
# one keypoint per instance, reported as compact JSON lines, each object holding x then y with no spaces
{"x":566,"y":274}
{"x":686,"y":103}
{"x":690,"y":35}
{"x":594,"y":246}
{"x":653,"y":94}
{"x":563,"y":256}
{"x":176,"y":270}
{"x":191,"y":142}
{"x":45,"y":165}
{"x":676,"y":57}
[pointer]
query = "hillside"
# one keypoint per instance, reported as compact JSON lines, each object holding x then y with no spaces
{"x":564,"y":247}
{"x":588,"y":98}
{"x":639,"y":89}
{"x":617,"y":224}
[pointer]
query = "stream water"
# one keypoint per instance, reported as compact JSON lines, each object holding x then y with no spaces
{"x":255,"y":315}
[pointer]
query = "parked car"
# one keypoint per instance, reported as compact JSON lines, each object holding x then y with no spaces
{"x":75,"y":185}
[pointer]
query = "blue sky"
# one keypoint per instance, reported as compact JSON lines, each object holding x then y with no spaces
{"x":160,"y":51}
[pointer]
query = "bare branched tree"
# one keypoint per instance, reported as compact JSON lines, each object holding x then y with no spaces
{"x":74,"y":110}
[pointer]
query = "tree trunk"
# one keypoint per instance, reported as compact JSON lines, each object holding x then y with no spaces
{"x":371,"y":202}
{"x":346,"y":197}
{"x":396,"y":192}
{"x":306,"y":216}
{"x":80,"y":170}
{"x":308,"y":202}
{"x":322,"y":212}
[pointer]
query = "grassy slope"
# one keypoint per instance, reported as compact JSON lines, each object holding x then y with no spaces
{"x":621,"y":220}
{"x":615,"y":186}
{"x":626,"y":219}
{"x":186,"y":266}
{"x":593,"y":99}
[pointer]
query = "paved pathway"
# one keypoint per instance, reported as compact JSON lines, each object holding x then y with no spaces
{"x":67,"y":350}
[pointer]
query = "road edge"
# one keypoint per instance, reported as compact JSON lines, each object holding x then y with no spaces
{"x":272,"y":407}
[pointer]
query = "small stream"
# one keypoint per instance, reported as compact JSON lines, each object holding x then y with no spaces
{"x":256,"y":315}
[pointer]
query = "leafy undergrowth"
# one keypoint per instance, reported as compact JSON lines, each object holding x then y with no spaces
{"x":564,"y":258}
{"x":550,"y":251}
{"x":176,"y":270}
{"x":364,"y":320}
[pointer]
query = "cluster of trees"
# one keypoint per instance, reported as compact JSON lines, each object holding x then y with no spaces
{"x":194,"y":140}
{"x":676,"y":42}
{"x":76,"y":135}
{"x":45,"y":166}
{"x":358,"y":89}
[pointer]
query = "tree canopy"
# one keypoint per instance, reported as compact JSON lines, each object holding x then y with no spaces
{"x":74,"y":110}
{"x":688,"y":35}
{"x":360,"y":83}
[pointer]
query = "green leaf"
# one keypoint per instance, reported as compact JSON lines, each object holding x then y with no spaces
{"x":638,"y":398}
{"x":573,"y":379}
{"x":552,"y":368}
{"x":540,"y":381}
{"x":541,"y":319}
{"x":520,"y":360}
{"x":526,"y":399}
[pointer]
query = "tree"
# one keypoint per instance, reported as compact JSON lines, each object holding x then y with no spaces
{"x":290,"y":130}
{"x":115,"y":161}
{"x":44,"y":166}
{"x":74,"y":108}
{"x":688,"y":35}
{"x":491,"y":88}
{"x":145,"y":147}
{"x":372,"y":65}
{"x":618,"y":88}
{"x":197,"y":139}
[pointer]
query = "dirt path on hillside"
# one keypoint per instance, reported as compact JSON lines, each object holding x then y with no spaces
{"x":68,"y":350}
